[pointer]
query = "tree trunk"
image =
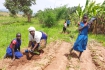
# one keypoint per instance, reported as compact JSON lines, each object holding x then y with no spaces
{"x":29,"y":17}
{"x":94,"y":28}
{"x":104,"y":29}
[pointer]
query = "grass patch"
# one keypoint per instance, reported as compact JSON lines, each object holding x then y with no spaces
{"x":100,"y":38}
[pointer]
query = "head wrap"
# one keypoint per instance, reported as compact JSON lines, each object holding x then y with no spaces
{"x":31,"y":29}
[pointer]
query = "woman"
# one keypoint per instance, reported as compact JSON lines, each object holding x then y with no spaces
{"x":81,"y":42}
{"x":37,"y":40}
{"x":13,"y":50}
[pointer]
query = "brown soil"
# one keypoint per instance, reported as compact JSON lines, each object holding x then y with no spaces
{"x":60,"y":61}
{"x":98,"y":55}
{"x":56,"y":56}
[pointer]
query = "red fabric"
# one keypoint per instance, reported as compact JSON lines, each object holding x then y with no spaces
{"x":13,"y":43}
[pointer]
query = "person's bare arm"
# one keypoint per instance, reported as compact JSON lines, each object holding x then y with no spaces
{"x":35,"y":46}
{"x":13,"y":52}
{"x":29,"y":44}
{"x":80,"y":28}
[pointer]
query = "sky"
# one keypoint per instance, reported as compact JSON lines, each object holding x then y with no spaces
{"x":42,"y":4}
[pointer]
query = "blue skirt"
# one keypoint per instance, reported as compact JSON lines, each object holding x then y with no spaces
{"x":44,"y":36}
{"x":81,"y":43}
{"x":17,"y":53}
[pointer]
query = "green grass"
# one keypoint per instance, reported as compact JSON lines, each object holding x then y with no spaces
{"x":100,"y":38}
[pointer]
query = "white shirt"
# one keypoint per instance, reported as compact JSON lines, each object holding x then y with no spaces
{"x":65,"y":25}
{"x":37,"y":37}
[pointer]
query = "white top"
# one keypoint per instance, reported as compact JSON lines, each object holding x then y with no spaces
{"x":65,"y":24}
{"x":37,"y":37}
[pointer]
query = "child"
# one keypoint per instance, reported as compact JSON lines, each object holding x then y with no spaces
{"x":13,"y":49}
{"x":64,"y":27}
{"x":81,"y":42}
{"x":68,"y":23}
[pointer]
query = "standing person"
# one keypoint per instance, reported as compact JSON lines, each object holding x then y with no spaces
{"x":81,"y":42}
{"x":68,"y":23}
{"x":37,"y":40}
{"x":64,"y":27}
{"x":13,"y":50}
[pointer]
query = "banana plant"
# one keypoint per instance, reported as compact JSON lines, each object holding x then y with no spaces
{"x":79,"y":12}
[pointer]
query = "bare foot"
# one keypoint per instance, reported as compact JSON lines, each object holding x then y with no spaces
{"x":71,"y":50}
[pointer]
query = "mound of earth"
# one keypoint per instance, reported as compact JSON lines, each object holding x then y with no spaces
{"x":56,"y":56}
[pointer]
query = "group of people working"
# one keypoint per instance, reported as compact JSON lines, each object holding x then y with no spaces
{"x":37,"y":41}
{"x":35,"y":38}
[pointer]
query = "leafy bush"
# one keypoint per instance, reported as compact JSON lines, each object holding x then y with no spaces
{"x":49,"y":18}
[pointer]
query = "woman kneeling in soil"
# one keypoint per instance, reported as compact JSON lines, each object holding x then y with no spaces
{"x":13,"y":50}
{"x":81,"y":42}
{"x":37,"y":40}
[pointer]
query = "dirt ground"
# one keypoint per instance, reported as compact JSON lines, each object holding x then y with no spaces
{"x":56,"y":56}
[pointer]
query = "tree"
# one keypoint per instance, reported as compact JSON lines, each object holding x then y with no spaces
{"x":91,"y":9}
{"x":15,"y":6}
{"x":11,"y":6}
{"x":60,"y":12}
